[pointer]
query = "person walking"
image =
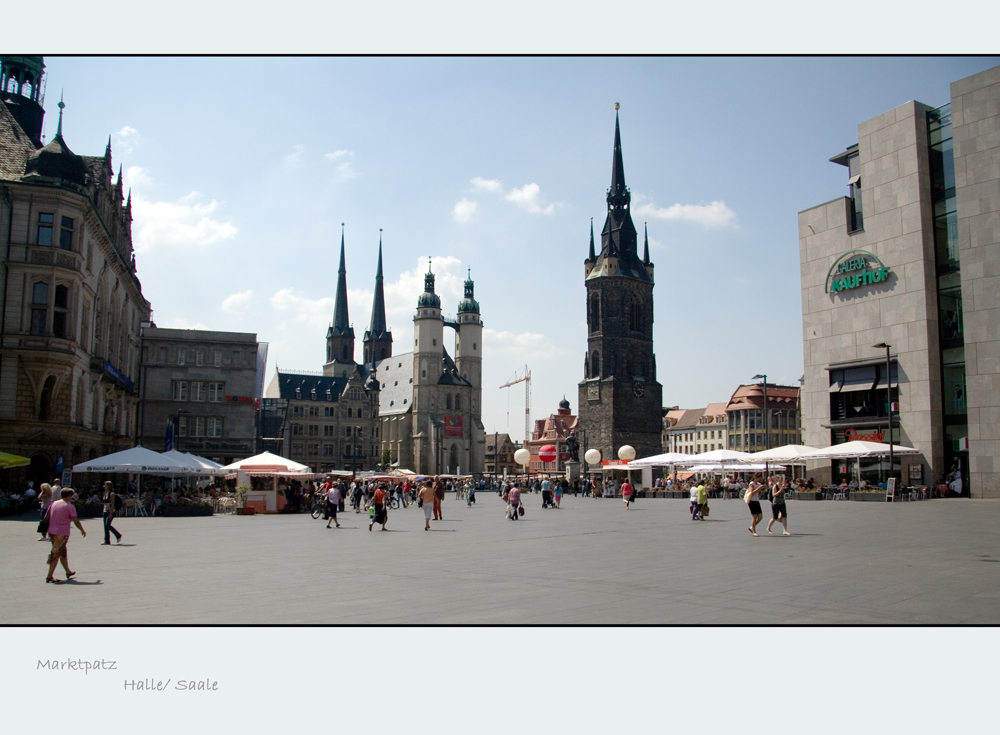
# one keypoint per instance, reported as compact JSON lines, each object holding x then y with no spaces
{"x":470,"y":496}
{"x":693,"y":493}
{"x":109,"y":499}
{"x":559,"y":493}
{"x":514,"y":500}
{"x":427,"y":498}
{"x":627,"y":494}
{"x":438,"y":497}
{"x":60,"y":514}
{"x":381,"y":514}
{"x":44,"y":500}
{"x":546,"y":493}
{"x":778,"y":510}
{"x":702,"y":500}
{"x":752,"y":498}
{"x":333,"y":501}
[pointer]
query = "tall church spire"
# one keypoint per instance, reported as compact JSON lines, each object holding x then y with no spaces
{"x":341,"y":318}
{"x":378,"y":339}
{"x":593,"y":256}
{"x":618,"y":194}
{"x":645,"y":247}
{"x":340,"y":336}
{"x":619,"y":254}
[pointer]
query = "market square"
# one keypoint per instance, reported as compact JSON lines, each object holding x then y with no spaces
{"x":590,"y":562}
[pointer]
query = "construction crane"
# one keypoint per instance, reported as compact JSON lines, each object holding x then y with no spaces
{"x":526,"y":379}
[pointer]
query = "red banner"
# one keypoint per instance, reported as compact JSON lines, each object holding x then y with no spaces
{"x":453,"y":426}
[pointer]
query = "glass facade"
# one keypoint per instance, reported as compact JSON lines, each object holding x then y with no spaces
{"x":949,"y":285}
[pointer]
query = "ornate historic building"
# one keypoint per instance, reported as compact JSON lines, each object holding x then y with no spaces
{"x":420,"y":409}
{"x":620,"y":399}
{"x":430,"y":404}
{"x":72,"y":303}
{"x":553,"y":431}
{"x":329,"y":420}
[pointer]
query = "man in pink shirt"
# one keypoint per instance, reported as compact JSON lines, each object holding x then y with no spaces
{"x":60,"y":514}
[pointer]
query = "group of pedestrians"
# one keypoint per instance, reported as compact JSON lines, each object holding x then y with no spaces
{"x":775,"y":491}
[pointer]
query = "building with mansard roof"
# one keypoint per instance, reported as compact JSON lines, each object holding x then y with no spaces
{"x":72,"y":304}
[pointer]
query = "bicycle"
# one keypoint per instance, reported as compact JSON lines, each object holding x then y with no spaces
{"x":318,"y":507}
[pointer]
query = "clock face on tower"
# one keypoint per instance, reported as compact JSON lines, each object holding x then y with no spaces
{"x":637,"y":389}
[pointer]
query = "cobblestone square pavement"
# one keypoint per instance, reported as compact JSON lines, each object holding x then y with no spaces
{"x":590,"y":562}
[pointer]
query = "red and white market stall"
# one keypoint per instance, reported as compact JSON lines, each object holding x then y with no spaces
{"x":263,"y":478}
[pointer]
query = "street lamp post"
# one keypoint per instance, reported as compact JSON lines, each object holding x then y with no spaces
{"x":767,"y":434}
{"x":888,"y":405}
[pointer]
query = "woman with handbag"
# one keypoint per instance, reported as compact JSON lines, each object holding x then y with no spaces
{"x":514,"y":501}
{"x":45,"y":500}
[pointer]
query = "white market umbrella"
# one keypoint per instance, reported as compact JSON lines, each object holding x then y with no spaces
{"x":853,"y":450}
{"x":720,"y":456}
{"x":206,"y":463}
{"x":660,"y":460}
{"x":137,"y":460}
{"x":742,"y":467}
{"x":192,"y":465}
{"x":265,"y":462}
{"x":789,"y":454}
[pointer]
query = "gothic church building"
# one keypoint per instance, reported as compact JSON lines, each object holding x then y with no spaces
{"x":620,"y":399}
{"x":420,"y":409}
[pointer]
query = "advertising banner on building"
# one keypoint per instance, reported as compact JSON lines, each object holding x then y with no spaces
{"x":453,"y":426}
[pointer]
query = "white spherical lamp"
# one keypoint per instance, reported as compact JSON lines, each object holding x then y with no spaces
{"x":626,"y":453}
{"x":522,"y":456}
{"x":593,"y":456}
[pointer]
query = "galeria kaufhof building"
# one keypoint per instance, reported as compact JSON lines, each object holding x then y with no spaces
{"x":910,"y":258}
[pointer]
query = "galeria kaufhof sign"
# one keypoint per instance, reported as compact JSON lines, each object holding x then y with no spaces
{"x":854,"y":269}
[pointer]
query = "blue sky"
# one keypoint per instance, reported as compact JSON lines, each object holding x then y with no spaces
{"x":242,"y":170}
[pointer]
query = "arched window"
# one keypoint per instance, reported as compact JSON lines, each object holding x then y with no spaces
{"x":595,"y":365}
{"x":45,"y":405}
{"x":346,"y":354}
{"x":11,"y":85}
{"x":447,"y":401}
{"x":458,"y":403}
{"x":453,"y":459}
{"x":595,"y":312}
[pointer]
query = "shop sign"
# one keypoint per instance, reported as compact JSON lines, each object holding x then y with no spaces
{"x":238,"y":399}
{"x":853,"y":269}
{"x":853,"y":436}
{"x":615,"y":463}
{"x":117,"y":374}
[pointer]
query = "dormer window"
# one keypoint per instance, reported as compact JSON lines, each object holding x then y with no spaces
{"x":298,"y":393}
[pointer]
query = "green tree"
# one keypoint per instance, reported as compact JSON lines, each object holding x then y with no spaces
{"x":386,"y":462}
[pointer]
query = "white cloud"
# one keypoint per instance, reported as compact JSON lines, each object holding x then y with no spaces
{"x":125,"y":140}
{"x":293,"y":158}
{"x":523,"y":345}
{"x":187,"y":222}
{"x":315,"y":312}
{"x":237,"y":302}
{"x":493,"y":185}
{"x":529,"y":197}
{"x":401,"y":295}
{"x":137,"y":177}
{"x":714,"y":214}
{"x":345,"y":169}
{"x":464,"y":210}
